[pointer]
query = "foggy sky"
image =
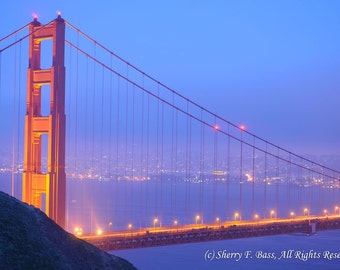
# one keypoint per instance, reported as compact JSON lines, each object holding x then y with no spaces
{"x":270,"y":65}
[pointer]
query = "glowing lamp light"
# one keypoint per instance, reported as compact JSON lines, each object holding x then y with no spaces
{"x":35,"y":16}
{"x":59,"y":13}
{"x":78,"y":231}
{"x":216,"y":127}
{"x":197,"y":218}
{"x":154,"y":222}
{"x":99,"y":232}
{"x":242,"y":127}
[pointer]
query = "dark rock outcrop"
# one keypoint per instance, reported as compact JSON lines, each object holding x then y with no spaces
{"x":30,"y":240}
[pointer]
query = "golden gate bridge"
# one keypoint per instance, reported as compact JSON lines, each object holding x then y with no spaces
{"x":121,"y":159}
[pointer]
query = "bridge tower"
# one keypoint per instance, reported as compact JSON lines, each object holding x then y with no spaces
{"x":46,"y":189}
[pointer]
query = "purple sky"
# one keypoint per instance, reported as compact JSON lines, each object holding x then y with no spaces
{"x":271,"y":65}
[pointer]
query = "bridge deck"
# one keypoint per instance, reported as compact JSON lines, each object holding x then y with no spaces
{"x":202,"y":233}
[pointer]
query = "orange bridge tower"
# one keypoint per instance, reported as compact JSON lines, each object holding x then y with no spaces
{"x":45,"y":186}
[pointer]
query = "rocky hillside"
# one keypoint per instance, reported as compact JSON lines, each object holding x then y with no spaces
{"x":30,"y":240}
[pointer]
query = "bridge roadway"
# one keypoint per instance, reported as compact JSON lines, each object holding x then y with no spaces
{"x":160,"y":236}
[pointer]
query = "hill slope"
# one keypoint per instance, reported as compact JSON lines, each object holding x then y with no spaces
{"x":30,"y":240}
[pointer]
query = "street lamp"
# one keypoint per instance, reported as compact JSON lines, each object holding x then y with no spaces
{"x":78,"y":231}
{"x":292,"y":214}
{"x":336,"y":208}
{"x":154,"y":223}
{"x":99,"y":232}
{"x":325,"y":212}
{"x":236,"y":216}
{"x":176,"y":224}
{"x":197,"y":218}
{"x":272,"y":214}
{"x":109,"y":226}
{"x":256,"y":216}
{"x":130,"y":227}
{"x":218,"y":221}
{"x":305,"y":212}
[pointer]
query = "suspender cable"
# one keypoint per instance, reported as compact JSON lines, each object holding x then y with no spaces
{"x":76,"y":109}
{"x":215,"y":167}
{"x":176,"y":167}
{"x":19,"y":120}
{"x":117,"y":165}
{"x":75,"y":139}
{"x":172,"y":159}
{"x":132,"y":179}
{"x":189,"y":169}
{"x":68,"y":165}
{"x":300,"y":189}
{"x":157,"y":153}
{"x":0,"y":79}
{"x":86,"y":136}
{"x":110,"y":154}
{"x":187,"y":173}
{"x":147,"y":158}
{"x":228,"y":177}
{"x":162,"y":166}
{"x":72,"y":184}
{"x":93,"y":129}
{"x":322,"y":190}
{"x":241,"y":174}
{"x":289,"y":180}
{"x":265,"y":186}
{"x":201,"y":168}
{"x":101,"y":158}
{"x":277,"y":182}
{"x":14,"y":119}
{"x":141,"y":169}
{"x":253,"y":182}
{"x":311,"y":185}
{"x":133,"y":134}
{"x":126,"y":145}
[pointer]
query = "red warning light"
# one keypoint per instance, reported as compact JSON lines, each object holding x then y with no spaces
{"x":35,"y":16}
{"x":216,"y":127}
{"x":242,"y":127}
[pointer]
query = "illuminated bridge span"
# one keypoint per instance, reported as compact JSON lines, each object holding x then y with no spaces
{"x":103,"y":147}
